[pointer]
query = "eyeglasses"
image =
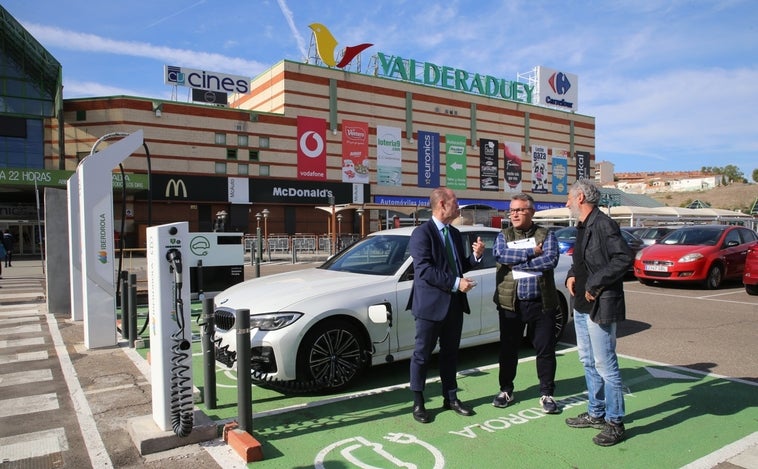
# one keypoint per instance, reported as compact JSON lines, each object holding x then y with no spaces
{"x":520,"y":210}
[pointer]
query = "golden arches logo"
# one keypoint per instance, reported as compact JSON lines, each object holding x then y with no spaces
{"x":326,"y":45}
{"x":176,"y":185}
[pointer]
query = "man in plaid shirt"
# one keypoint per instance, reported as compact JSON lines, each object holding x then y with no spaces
{"x":526,"y":256}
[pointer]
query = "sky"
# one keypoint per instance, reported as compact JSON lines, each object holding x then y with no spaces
{"x":672,"y":84}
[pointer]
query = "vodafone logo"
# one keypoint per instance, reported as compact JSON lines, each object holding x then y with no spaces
{"x":311,"y":144}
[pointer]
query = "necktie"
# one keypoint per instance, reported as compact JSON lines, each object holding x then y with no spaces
{"x":449,"y":250}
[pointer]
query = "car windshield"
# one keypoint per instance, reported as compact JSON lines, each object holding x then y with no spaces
{"x":566,"y":234}
{"x":374,"y":255}
{"x":693,"y":237}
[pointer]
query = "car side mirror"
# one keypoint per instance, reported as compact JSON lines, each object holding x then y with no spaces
{"x":380,"y":314}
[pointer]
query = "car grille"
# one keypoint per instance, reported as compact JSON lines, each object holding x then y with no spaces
{"x":224,"y":319}
{"x":666,"y":263}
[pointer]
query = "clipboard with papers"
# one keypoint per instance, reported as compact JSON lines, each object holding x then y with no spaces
{"x":525,"y":243}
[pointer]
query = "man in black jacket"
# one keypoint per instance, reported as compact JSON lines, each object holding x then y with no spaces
{"x":601,"y":259}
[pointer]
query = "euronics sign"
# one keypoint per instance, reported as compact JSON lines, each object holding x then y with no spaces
{"x":204,"y":80}
{"x":58,"y":178}
{"x":429,"y":74}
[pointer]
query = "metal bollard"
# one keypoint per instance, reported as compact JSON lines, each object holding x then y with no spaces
{"x":244,"y":380}
{"x":124,"y":304}
{"x":209,"y":355}
{"x":132,"y":309}
{"x":294,"y":255}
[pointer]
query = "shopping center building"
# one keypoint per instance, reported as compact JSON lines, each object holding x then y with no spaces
{"x":306,"y":149}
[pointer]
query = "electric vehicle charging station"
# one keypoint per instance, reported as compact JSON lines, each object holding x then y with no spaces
{"x":223,"y":258}
{"x":170,"y":327}
{"x":91,"y":248}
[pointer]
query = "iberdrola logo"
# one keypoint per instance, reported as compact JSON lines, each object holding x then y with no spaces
{"x":326,"y":44}
{"x":102,"y":256}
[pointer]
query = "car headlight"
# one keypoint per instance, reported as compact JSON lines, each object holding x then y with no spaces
{"x":274,"y":321}
{"x":638,"y":256}
{"x":691,"y":257}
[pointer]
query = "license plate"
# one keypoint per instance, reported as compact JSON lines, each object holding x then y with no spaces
{"x":657,"y":268}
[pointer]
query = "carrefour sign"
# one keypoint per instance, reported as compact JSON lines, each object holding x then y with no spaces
{"x":204,"y":80}
{"x":442,"y":76}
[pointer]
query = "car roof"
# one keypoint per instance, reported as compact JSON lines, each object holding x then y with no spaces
{"x":407,"y":230}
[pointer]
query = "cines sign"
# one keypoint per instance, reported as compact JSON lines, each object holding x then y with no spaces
{"x":204,"y":80}
{"x":427,"y":73}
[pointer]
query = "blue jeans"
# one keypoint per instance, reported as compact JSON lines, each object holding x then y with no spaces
{"x":597,"y":352}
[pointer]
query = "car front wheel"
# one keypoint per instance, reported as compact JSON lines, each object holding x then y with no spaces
{"x":331,"y":355}
{"x":714,"y":278}
{"x":751,"y":289}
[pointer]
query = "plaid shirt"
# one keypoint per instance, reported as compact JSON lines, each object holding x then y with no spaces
{"x":523,"y":260}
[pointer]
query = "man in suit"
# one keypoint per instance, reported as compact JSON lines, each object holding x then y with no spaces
{"x":438,"y":300}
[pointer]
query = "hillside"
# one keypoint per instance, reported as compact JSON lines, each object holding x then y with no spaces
{"x":731,"y":197}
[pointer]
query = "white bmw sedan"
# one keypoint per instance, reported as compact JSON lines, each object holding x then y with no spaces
{"x":320,"y":328}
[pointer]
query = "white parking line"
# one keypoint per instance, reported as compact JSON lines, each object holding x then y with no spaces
{"x":32,"y":445}
{"x":98,"y":455}
{"x":23,"y":357}
{"x":28,"y":404}
{"x":26,"y":377}
{"x":22,"y":342}
{"x":22,"y":329}
{"x":707,"y":298}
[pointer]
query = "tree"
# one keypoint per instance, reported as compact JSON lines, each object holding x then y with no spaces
{"x":755,"y":175}
{"x":733,"y":173}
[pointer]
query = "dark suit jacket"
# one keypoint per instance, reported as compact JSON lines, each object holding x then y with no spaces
{"x":433,"y":279}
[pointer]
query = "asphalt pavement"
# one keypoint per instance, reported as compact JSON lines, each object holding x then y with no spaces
{"x":62,"y":405}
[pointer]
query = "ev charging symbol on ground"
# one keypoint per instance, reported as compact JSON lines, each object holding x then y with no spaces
{"x":358,"y":451}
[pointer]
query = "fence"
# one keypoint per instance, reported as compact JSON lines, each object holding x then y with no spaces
{"x":303,"y":243}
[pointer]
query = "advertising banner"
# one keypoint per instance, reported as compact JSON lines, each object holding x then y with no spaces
{"x":558,"y":89}
{"x":388,"y":156}
{"x":488,"y":165}
{"x":560,"y":171}
{"x":238,"y":190}
{"x":582,"y":165}
{"x":311,"y":149}
{"x":428,"y":159}
{"x":455,"y":156}
{"x":513,"y":167}
{"x":355,"y":152}
{"x":539,"y":169}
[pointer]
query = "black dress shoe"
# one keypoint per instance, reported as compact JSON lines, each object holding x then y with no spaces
{"x":457,"y":406}
{"x":420,"y":414}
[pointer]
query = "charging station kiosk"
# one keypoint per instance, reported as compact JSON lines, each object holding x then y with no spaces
{"x":220,"y":256}
{"x":170,"y":327}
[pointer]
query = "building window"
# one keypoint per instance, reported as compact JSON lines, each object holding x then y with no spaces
{"x":220,"y":168}
{"x":231,"y":153}
{"x":243,"y":169}
{"x":263,"y":142}
{"x":242,"y":140}
{"x":264,"y":170}
{"x":220,"y":139}
{"x":254,"y":155}
{"x":81,"y":115}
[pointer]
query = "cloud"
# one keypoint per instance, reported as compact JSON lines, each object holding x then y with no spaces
{"x":291,"y":23}
{"x":84,"y":42}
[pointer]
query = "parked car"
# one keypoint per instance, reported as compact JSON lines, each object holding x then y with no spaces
{"x":700,"y":253}
{"x":567,"y":238}
{"x":750,"y":276}
{"x":654,"y":234}
{"x":635,"y":230}
{"x":319,"y":328}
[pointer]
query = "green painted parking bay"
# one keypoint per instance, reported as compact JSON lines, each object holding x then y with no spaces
{"x":674,"y":416}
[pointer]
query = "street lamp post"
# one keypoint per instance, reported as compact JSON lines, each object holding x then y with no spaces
{"x":258,"y":245}
{"x":339,"y":230}
{"x":265,"y":232}
{"x":333,"y":245}
{"x":220,"y":220}
{"x":359,"y":211}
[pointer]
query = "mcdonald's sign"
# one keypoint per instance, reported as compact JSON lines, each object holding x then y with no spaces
{"x":175,"y":186}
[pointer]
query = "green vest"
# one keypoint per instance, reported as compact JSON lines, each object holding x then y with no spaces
{"x":505,"y":293}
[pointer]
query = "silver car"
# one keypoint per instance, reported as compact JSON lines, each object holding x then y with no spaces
{"x":320,"y":328}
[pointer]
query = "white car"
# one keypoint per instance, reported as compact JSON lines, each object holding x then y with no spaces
{"x":319,"y":328}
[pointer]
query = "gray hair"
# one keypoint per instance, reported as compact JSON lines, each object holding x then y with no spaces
{"x":524,"y":198}
{"x":588,"y":188}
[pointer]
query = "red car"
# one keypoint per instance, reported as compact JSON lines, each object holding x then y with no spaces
{"x":750,"y":277}
{"x":699,"y":253}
